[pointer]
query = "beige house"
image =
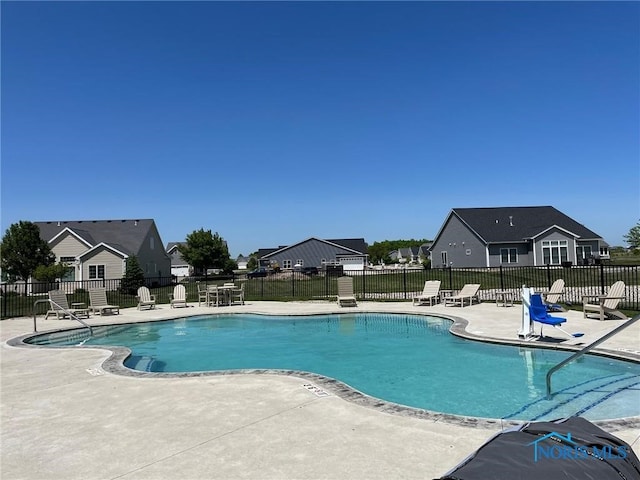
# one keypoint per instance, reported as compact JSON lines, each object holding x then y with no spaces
{"x":98,"y":249}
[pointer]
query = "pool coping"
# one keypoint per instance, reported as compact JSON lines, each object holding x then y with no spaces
{"x":114,"y":364}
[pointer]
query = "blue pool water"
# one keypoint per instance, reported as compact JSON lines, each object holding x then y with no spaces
{"x":407,"y":359}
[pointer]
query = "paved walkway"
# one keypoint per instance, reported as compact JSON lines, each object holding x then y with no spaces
{"x":65,"y":417}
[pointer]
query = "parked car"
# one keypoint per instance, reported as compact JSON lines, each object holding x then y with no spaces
{"x":258,"y":272}
{"x":310,"y":270}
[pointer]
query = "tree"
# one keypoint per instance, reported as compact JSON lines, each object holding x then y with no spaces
{"x":633,"y":237}
{"x":379,"y":251}
{"x":204,"y":250}
{"x":133,"y":277}
{"x":252,"y":263}
{"x":50,"y":273}
{"x":22,"y":251}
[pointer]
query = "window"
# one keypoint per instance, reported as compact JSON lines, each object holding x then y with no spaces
{"x":508,"y":255}
{"x":554,"y":252}
{"x":286,"y":263}
{"x":583,"y":252}
{"x":70,"y":274}
{"x":96,"y":272}
{"x":444,"y":257}
{"x":300,"y":262}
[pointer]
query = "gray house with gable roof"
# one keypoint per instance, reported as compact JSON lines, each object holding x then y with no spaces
{"x":98,"y":249}
{"x":351,"y":253}
{"x":514,"y":236}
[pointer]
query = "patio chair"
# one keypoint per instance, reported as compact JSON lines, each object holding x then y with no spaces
{"x":237,"y":294}
{"x":468,"y":291}
{"x":145,"y":299}
{"x":430,"y":294}
{"x":607,"y":304}
{"x":59,"y":306}
{"x":552,"y":297}
{"x":178,"y":297}
{"x":98,"y":302}
{"x":346,"y":298}
{"x":216,"y":295}
{"x":203,"y":295}
{"x":538,"y":313}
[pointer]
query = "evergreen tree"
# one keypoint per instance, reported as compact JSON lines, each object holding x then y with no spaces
{"x":133,"y":276}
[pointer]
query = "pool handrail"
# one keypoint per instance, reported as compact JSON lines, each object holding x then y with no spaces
{"x":67,"y":312}
{"x":586,"y":349}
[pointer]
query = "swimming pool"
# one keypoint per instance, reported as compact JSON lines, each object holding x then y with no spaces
{"x":410,"y":360}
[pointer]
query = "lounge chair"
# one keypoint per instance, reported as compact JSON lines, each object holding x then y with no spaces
{"x":59,"y":306}
{"x":552,"y":297}
{"x":178,"y":297}
{"x":538,"y":313}
{"x":468,"y":291}
{"x":607,"y":304}
{"x":98,"y":302}
{"x":145,"y":299}
{"x":430,"y":294}
{"x":346,"y":298}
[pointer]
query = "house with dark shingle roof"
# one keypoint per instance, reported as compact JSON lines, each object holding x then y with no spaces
{"x":98,"y":249}
{"x":351,"y":253}
{"x":179,"y":266}
{"x":515,"y":237}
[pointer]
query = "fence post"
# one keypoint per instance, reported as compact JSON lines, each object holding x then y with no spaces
{"x":450,"y":277}
{"x":404,"y":282}
{"x":364,"y":285}
{"x":501,"y":279}
{"x":602,"y":285}
{"x":548,"y":277}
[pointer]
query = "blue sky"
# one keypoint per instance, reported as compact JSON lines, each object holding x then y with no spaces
{"x":273,"y":122}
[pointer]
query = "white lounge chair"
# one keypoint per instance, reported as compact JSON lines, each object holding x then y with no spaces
{"x":98,"y":302}
{"x":178,"y":297}
{"x":346,"y":298}
{"x":607,"y":304}
{"x":430,"y":293}
{"x":468,"y":291}
{"x":145,"y":299}
{"x":59,"y":306}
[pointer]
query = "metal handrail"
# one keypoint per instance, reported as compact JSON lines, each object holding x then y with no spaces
{"x":586,"y":349}
{"x":67,"y":312}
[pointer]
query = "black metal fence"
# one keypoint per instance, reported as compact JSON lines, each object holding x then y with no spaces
{"x":395,"y":284}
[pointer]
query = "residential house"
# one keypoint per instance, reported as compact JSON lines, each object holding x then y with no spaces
{"x":514,"y":236}
{"x":179,"y":266}
{"x":242,"y":262}
{"x":350,"y":253}
{"x":98,"y":249}
{"x":406,"y":255}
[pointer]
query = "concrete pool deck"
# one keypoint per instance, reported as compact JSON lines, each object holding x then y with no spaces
{"x":64,"y":416}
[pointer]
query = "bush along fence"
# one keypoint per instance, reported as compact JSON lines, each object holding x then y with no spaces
{"x":396,"y":284}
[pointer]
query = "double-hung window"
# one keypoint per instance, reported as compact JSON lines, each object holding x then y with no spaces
{"x":96,"y":272}
{"x":508,"y":255}
{"x":554,"y":252}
